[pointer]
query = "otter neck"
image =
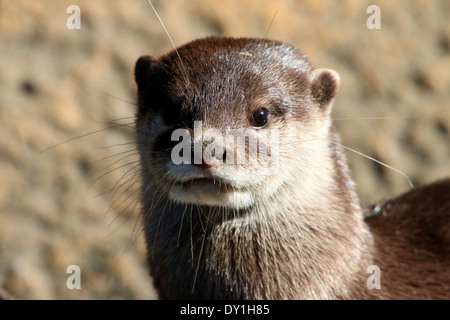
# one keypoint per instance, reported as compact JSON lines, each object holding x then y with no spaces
{"x":285,"y":247}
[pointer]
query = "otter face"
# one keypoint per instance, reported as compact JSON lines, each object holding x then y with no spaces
{"x":224,"y":122}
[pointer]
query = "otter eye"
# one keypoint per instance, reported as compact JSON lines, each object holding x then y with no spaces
{"x":261,"y":117}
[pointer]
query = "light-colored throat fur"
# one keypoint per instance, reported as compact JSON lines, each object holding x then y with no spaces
{"x":284,"y":247}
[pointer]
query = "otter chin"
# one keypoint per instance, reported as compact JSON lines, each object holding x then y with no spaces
{"x":234,"y":226}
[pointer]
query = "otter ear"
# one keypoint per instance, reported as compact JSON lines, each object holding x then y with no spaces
{"x":324,"y":86}
{"x":142,"y":71}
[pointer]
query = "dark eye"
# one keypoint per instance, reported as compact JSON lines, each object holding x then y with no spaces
{"x":261,"y":117}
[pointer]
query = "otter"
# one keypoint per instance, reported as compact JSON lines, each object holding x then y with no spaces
{"x":289,"y":228}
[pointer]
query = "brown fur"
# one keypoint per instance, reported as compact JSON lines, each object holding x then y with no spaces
{"x":305,"y":240}
{"x":412,"y":242}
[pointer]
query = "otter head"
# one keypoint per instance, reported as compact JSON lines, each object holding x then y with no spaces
{"x":226,"y":122}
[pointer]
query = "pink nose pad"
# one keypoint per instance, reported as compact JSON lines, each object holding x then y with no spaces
{"x":205,"y":164}
{"x":213,"y":163}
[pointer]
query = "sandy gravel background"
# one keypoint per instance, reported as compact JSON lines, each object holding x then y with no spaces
{"x":76,"y":203}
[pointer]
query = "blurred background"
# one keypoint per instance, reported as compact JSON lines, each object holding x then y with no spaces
{"x":68,"y":182}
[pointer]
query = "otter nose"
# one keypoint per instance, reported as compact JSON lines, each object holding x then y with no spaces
{"x":204,"y":164}
{"x":207,"y":148}
{"x":210,"y":159}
